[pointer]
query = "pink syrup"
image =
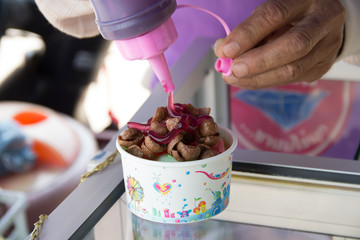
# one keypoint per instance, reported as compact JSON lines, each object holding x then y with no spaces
{"x":187,"y":122}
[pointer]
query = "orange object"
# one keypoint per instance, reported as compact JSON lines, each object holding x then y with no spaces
{"x":29,"y":117}
{"x":196,"y":210}
{"x":46,"y":155}
{"x":202,"y":206}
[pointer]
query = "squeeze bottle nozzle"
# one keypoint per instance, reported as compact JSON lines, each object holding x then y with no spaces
{"x":142,"y":29}
{"x":161,"y":69}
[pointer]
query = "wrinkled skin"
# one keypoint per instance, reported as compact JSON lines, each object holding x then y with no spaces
{"x":284,"y":41}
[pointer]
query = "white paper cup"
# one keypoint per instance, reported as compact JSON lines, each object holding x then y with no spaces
{"x":179,"y":192}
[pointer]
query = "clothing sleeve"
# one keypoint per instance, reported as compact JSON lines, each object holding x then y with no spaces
{"x":351,"y":45}
{"x":73,"y":17}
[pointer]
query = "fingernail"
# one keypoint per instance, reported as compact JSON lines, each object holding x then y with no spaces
{"x":240,"y":70}
{"x":217,"y":44}
{"x":231,"y":49}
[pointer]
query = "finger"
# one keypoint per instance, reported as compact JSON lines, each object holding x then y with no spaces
{"x":315,"y":73}
{"x":279,"y":77}
{"x":318,"y":59}
{"x":266,"y":18}
{"x":217,"y":45}
{"x":292,"y":45}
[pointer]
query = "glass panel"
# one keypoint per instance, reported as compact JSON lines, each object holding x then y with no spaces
{"x":119,"y":223}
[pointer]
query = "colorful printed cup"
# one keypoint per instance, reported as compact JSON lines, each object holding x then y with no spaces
{"x":179,"y":192}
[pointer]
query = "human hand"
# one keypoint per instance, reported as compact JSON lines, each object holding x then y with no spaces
{"x":284,"y":41}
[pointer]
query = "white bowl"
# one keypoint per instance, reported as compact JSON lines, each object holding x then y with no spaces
{"x":179,"y":192}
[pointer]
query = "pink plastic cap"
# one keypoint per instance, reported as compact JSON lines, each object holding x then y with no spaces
{"x":223,"y":65}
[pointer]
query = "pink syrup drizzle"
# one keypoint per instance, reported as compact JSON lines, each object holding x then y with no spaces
{"x":140,"y":126}
{"x":187,"y":122}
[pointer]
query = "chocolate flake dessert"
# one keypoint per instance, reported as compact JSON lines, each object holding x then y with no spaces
{"x":180,"y":130}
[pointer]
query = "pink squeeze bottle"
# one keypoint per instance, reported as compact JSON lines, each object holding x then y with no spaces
{"x":142,"y":29}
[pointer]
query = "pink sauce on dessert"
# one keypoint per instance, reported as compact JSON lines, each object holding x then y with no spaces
{"x":187,"y":122}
